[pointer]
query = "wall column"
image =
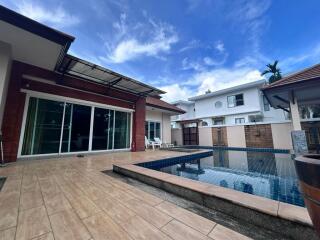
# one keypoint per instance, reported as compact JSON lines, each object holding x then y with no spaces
{"x":5,"y":69}
{"x":299,"y":141}
{"x":139,"y":118}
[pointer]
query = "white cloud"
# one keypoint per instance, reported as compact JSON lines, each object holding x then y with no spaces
{"x":220,"y":46}
{"x":176,"y":92}
{"x":191,"y":45}
{"x":310,"y":56}
{"x":224,"y":78}
{"x":193,"y":65}
{"x":57,"y":17}
{"x":158,"y":40}
{"x":213,"y":80}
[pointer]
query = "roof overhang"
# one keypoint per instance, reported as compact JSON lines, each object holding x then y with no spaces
{"x":74,"y":66}
{"x":305,"y":92}
{"x":32,"y":42}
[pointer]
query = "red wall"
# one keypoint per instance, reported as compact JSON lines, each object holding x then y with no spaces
{"x":63,"y":86}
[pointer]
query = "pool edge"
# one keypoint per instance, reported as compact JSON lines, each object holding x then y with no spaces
{"x":274,"y":215}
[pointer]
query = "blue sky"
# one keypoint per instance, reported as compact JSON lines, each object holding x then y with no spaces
{"x":186,"y":47}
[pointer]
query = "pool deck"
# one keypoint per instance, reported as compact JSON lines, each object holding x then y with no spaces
{"x":70,"y":198}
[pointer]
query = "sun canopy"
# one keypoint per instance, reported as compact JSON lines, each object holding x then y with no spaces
{"x":77,"y":67}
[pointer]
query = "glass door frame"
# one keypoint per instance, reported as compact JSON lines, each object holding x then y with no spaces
{"x":154,"y":121}
{"x":65,"y":100}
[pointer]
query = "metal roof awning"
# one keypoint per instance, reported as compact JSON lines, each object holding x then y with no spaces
{"x":80,"y":68}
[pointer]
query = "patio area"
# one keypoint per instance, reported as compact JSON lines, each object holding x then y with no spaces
{"x":69,"y":198}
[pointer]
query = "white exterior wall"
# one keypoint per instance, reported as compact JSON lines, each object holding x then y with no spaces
{"x":205,"y":136}
{"x":188,"y":108}
{"x":176,"y":136}
{"x":5,"y":68}
{"x":253,"y":105}
{"x":236,"y":136}
{"x":164,"y":120}
{"x":281,"y":135}
{"x":206,"y":107}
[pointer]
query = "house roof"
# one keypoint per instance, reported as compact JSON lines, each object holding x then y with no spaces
{"x":229,"y":90}
{"x":35,"y":27}
{"x":158,"y":103}
{"x":78,"y":67}
{"x":182,"y":102}
{"x":297,"y":77}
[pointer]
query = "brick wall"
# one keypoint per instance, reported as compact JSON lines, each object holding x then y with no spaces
{"x":219,"y":136}
{"x":258,"y":136}
{"x":75,"y":89}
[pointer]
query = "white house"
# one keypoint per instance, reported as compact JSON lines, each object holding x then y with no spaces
{"x":231,"y":106}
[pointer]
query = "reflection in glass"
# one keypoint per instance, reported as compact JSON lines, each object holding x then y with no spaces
{"x":122,"y":130}
{"x":43,"y":127}
{"x":76,"y":128}
{"x":102,"y":127}
{"x":151,"y":131}
{"x":51,"y":125}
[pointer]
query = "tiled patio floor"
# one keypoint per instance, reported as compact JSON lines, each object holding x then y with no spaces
{"x":70,"y":198}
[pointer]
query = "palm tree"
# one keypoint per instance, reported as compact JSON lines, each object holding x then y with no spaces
{"x":274,"y":71}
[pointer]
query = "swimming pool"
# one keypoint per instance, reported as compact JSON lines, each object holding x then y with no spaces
{"x":267,"y":174}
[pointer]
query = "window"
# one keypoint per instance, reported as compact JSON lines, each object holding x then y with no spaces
{"x":204,"y":124}
{"x":54,"y":127}
{"x":217,"y":121}
{"x":218,"y":104}
{"x":235,"y":100}
{"x":266,"y":105}
{"x":239,"y":120}
{"x":152,"y":130}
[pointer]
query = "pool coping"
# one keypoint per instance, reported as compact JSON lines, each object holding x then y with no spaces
{"x":293,"y":218}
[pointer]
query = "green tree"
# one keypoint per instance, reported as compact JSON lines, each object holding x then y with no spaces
{"x":274,"y":71}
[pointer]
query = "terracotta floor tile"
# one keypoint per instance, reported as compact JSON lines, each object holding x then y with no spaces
{"x":115,"y":209}
{"x":151,"y":214}
{"x":102,"y":227}
{"x":191,"y":219}
{"x":57,"y":203}
{"x":222,"y":233}
{"x":8,"y":217}
{"x":30,"y":200}
{"x":30,"y":186}
{"x":8,"y":234}
{"x":83,"y":206}
{"x":146,"y":197}
{"x":32,"y":223}
{"x":178,"y":231}
{"x":47,"y":236}
{"x":138,"y":228}
{"x":67,"y":225}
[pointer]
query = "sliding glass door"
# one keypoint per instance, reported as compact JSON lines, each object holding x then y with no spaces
{"x":62,"y":127}
{"x":76,"y":128}
{"x":43,"y":127}
{"x":102,"y":136}
{"x":122,"y":130}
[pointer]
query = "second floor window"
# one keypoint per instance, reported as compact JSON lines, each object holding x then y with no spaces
{"x":266,"y":105}
{"x":239,"y":120}
{"x":235,"y":100}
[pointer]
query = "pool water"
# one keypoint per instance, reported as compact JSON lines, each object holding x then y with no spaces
{"x":266,"y":174}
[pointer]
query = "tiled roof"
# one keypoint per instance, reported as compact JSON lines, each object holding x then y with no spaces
{"x":158,"y":103}
{"x":303,"y":75}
